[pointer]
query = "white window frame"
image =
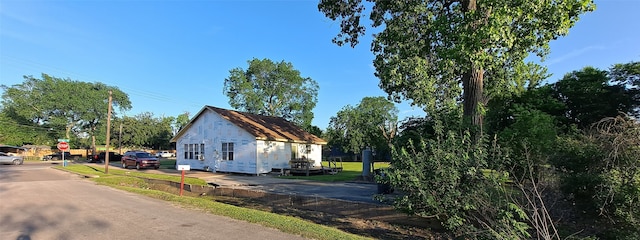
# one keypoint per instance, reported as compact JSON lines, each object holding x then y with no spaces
{"x":194,"y":151}
{"x":201,"y":158}
{"x":227,"y":151}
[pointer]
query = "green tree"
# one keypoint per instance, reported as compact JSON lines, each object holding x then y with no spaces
{"x":372,"y":123}
{"x":315,"y":130}
{"x":180,"y":122}
{"x":628,"y":74}
{"x":16,"y":132}
{"x":413,"y":130}
{"x":425,"y":49}
{"x":590,"y":95}
{"x":71,"y":109}
{"x":272,"y":89}
{"x":143,"y":131}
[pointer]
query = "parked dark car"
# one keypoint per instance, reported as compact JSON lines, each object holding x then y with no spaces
{"x":58,"y":156}
{"x":139,"y":159}
{"x":100,"y":157}
{"x":10,"y":159}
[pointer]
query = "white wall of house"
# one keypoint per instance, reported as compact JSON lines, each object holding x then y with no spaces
{"x":209,"y":132}
{"x":272,"y":154}
{"x":307,"y":151}
{"x":213,"y":131}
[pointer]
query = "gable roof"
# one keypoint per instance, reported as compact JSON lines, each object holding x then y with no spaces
{"x":262,"y":127}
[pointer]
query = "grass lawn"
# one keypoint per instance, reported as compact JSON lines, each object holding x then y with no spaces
{"x":167,"y":163}
{"x":113,"y":172}
{"x":126,"y":181}
{"x":350,"y":172}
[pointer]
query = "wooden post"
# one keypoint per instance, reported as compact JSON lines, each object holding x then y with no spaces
{"x":182,"y":183}
{"x":106,"y":155}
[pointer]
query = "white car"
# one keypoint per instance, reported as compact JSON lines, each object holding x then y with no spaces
{"x":5,"y":158}
{"x":164,"y":154}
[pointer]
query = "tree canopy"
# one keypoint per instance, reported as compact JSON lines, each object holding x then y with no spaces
{"x":180,"y":122}
{"x":68,"y":108}
{"x":426,"y":50}
{"x":372,"y":123}
{"x":272,"y":89}
{"x":590,"y":95}
{"x":628,"y":74}
{"x":143,"y":131}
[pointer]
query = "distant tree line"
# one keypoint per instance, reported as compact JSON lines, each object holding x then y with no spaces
{"x":40,"y":111}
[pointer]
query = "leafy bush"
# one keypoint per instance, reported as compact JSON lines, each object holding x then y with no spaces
{"x":602,"y":174}
{"x":530,"y":138}
{"x":444,"y":178}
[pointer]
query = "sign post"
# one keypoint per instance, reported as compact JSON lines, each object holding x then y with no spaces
{"x":183,"y":168}
{"x":63,"y":146}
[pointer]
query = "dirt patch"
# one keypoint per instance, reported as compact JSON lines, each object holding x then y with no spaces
{"x":362,"y":227}
{"x":358,"y":226}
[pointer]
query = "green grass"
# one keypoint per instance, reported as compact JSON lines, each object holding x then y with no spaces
{"x":350,"y":172}
{"x":167,"y":163}
{"x":99,"y":171}
{"x":120,"y":179}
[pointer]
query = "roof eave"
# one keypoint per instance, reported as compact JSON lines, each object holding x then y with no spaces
{"x":188,"y":125}
{"x":290,"y":140}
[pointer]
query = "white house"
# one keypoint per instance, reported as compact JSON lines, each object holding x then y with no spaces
{"x":224,"y":140}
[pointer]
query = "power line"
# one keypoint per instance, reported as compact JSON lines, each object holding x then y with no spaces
{"x":4,"y":122}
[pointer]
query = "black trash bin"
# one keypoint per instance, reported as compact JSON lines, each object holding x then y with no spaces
{"x":384,"y":187}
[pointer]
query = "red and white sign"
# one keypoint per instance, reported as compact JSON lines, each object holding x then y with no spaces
{"x":63,"y":146}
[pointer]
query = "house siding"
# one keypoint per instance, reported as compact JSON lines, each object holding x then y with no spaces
{"x":272,"y":154}
{"x":212,"y":130}
{"x":251,"y":154}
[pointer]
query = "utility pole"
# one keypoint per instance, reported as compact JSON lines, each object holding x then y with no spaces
{"x":106,"y":155}
{"x":120,"y":140}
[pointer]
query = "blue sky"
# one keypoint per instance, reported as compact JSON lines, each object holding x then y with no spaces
{"x":172,"y":56}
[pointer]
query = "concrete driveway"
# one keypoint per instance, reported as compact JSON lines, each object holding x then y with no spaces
{"x":350,"y":191}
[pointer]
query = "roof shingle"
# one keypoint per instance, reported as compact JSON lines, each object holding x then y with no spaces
{"x":265,"y":127}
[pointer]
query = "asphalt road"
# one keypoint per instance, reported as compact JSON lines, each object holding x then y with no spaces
{"x":37,"y":202}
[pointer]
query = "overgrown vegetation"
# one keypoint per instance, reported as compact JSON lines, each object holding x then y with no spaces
{"x":445,"y":178}
{"x":557,"y":169}
{"x":601,"y":175}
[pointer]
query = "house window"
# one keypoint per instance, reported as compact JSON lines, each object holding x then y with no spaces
{"x":201,"y":151}
{"x":294,"y":151}
{"x":307,"y":148}
{"x":186,"y":151}
{"x":194,"y":151}
{"x":227,"y":151}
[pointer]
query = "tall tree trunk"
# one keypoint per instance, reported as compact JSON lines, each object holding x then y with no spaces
{"x":472,"y":83}
{"x":472,"y":80}
{"x":93,"y":144}
{"x":67,"y":131}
